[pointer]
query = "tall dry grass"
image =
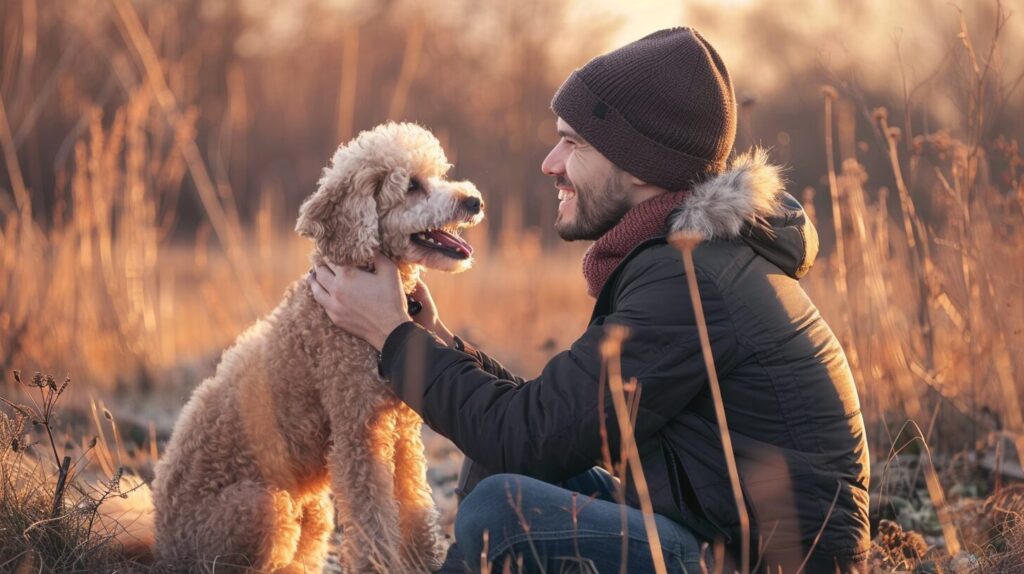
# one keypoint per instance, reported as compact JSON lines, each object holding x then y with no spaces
{"x":50,"y":517}
{"x":104,"y":290}
{"x":922,"y":283}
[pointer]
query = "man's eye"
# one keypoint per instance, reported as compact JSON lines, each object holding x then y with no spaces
{"x":414,"y":185}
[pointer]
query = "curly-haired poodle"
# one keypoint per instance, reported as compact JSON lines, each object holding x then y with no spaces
{"x":297,"y":410}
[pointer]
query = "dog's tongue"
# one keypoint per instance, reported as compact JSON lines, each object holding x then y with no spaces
{"x":451,"y":241}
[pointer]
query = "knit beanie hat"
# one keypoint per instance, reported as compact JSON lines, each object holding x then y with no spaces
{"x":661,"y":108}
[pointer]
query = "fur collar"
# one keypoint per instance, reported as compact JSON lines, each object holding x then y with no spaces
{"x":718,"y":208}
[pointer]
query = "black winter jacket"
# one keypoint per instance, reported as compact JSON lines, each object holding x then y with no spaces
{"x":790,"y":400}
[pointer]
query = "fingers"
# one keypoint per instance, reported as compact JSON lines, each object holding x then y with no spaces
{"x":379,"y":261}
{"x":323,"y":275}
{"x":384,"y":264}
{"x":332,"y":268}
{"x":319,"y":292}
{"x":421,"y":291}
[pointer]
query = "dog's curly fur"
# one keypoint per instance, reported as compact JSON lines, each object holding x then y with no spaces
{"x":296,"y":409}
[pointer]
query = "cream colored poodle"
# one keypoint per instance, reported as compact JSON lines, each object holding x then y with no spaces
{"x":296,"y":409}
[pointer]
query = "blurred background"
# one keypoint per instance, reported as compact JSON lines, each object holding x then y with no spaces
{"x":155,"y":154}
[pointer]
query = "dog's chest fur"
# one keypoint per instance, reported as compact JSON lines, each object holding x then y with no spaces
{"x":272,"y":387}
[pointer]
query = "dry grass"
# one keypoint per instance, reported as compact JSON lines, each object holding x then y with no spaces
{"x":196,"y":310}
{"x":921,"y":281}
{"x":49,"y":514}
{"x":105,"y":288}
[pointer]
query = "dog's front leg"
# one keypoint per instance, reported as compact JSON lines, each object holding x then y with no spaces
{"x":362,"y":479}
{"x":423,"y":547}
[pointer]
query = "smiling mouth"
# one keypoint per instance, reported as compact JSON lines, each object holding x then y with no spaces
{"x":445,"y":242}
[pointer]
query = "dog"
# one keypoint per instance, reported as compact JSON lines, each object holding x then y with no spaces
{"x":297,"y":411}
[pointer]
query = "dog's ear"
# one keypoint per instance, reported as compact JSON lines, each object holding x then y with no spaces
{"x":394,"y":186}
{"x":341,"y":217}
{"x":315,"y":210}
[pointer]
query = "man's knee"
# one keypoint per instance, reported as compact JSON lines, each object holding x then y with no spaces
{"x":492,"y":508}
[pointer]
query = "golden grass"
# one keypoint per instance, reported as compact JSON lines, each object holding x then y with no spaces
{"x":922,"y":286}
{"x":49,"y":509}
{"x":107,"y":287}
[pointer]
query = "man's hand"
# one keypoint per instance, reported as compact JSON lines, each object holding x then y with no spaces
{"x":428,"y":317}
{"x":367,"y":304}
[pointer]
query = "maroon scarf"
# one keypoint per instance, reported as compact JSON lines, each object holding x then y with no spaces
{"x":645,"y":220}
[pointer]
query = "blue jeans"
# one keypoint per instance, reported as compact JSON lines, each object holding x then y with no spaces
{"x":576,"y":527}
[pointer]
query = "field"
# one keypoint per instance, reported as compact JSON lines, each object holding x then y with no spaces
{"x":147,"y":206}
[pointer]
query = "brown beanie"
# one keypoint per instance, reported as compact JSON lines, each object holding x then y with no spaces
{"x":661,"y":108}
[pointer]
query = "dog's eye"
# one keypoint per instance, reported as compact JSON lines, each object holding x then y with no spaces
{"x":414,"y":185}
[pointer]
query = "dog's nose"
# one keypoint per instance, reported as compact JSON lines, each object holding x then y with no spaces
{"x":473,"y":205}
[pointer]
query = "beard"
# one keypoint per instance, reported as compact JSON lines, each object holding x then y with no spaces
{"x":597,"y":211}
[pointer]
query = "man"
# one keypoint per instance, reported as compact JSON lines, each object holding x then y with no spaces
{"x":646,"y":131}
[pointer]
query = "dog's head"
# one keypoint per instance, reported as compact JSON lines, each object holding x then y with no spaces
{"x":386,"y":190}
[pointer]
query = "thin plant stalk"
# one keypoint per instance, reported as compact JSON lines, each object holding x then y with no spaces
{"x":842,"y":282}
{"x":58,"y":494}
{"x":21,"y":197}
{"x":606,"y":458}
{"x":349,"y":79}
{"x":912,"y":224}
{"x":842,"y":286}
{"x":935,"y":492}
{"x":485,"y":564}
{"x":410,"y":64}
{"x":611,"y":349}
{"x":686,"y":242}
{"x":223,"y":226}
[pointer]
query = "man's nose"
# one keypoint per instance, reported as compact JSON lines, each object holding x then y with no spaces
{"x":473,"y":205}
{"x":554,"y":163}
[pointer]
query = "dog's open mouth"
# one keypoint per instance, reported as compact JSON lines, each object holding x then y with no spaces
{"x":445,"y":242}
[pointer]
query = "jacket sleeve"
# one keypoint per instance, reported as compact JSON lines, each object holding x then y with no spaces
{"x":548,"y":427}
{"x":487,"y":363}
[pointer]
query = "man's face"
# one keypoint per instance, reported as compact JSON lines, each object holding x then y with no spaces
{"x":592,"y":191}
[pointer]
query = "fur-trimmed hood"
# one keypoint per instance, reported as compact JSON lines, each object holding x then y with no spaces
{"x":748,"y":201}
